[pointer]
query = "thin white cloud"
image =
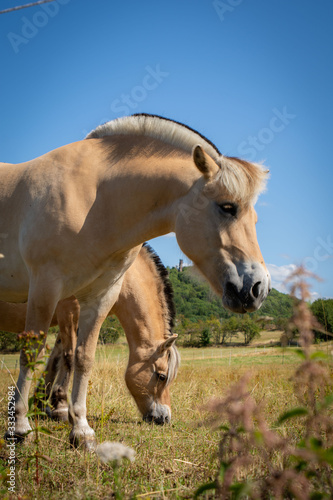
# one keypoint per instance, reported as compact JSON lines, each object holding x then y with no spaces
{"x":169,"y":235}
{"x":279,"y":274}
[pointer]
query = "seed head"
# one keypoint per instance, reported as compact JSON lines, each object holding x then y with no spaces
{"x":112,"y":451}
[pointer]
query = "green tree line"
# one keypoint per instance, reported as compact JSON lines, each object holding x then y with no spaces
{"x":195,"y":300}
{"x":202,"y":320}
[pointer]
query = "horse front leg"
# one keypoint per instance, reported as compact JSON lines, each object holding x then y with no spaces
{"x":92,"y":315}
{"x":41,"y":305}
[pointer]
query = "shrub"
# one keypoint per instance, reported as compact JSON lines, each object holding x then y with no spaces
{"x":110,"y":331}
{"x":205,"y":337}
{"x":9,"y":342}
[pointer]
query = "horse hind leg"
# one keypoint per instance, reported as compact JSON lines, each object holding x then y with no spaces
{"x":58,"y":380}
{"x":58,"y":409}
{"x":57,"y":377}
{"x":45,"y":385}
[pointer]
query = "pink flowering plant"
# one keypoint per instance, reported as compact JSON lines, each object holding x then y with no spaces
{"x":301,"y":470}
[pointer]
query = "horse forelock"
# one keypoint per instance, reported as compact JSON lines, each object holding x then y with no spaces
{"x":243,"y":181}
{"x":173,"y":364}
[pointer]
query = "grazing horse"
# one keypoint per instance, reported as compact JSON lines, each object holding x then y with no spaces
{"x":146,"y":310}
{"x":73,"y":220}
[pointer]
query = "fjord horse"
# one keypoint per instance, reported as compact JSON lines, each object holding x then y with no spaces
{"x":130,"y":180}
{"x":146,"y":310}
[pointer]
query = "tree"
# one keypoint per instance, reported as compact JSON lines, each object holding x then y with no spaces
{"x":322,"y":309}
{"x":205,"y":337}
{"x":110,"y":331}
{"x":229,"y":329}
{"x":249,"y":328}
{"x":215,"y":328}
{"x":282,"y":324}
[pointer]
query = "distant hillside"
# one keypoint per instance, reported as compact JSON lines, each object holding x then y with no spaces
{"x":195,"y":300}
{"x":277,"y":305}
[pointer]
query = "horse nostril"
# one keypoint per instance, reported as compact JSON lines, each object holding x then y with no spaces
{"x":159,"y":420}
{"x":151,"y":419}
{"x":256,"y":289}
{"x":231,"y":290}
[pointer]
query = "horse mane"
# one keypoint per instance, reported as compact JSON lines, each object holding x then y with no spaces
{"x":174,"y":356}
{"x":166,"y":286}
{"x":157,"y":127}
{"x":192,"y":130}
{"x":243,"y":180}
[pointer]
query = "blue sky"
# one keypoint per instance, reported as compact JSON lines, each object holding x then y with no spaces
{"x":254,"y":76}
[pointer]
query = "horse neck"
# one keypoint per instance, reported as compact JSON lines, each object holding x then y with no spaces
{"x":153,"y":186}
{"x":141,"y":309}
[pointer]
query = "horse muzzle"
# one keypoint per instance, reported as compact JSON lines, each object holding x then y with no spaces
{"x":159,"y":414}
{"x":246,"y":288}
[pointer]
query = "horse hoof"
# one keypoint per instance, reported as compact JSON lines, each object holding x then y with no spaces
{"x":61,"y":414}
{"x":88,"y":443}
{"x":18,"y":437}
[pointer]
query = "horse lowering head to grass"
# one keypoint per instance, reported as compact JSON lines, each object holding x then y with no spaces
{"x":74,"y":220}
{"x":146,"y":311}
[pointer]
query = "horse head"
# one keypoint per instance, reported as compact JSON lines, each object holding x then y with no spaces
{"x":215,"y":228}
{"x":148,"y":377}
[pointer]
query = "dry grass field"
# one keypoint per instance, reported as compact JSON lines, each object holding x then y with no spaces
{"x":170,"y":461}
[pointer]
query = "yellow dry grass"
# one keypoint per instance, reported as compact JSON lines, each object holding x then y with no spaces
{"x":171,"y":461}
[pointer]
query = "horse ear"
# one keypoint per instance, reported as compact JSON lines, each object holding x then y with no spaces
{"x":204,"y":162}
{"x":168,"y":343}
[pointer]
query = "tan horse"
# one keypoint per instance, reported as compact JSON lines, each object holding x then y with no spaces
{"x":146,"y":310}
{"x":72,"y":222}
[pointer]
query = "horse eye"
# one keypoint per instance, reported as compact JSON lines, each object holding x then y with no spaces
{"x":229,"y":209}
{"x":161,"y":376}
